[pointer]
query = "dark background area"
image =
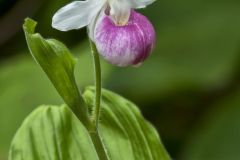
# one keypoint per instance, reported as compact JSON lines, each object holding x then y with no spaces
{"x":189,"y":88}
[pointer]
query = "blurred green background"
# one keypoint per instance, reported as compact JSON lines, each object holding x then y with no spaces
{"x":189,"y":88}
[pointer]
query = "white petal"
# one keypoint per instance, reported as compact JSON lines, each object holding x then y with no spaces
{"x":140,"y":3}
{"x":76,"y":14}
{"x":120,"y":11}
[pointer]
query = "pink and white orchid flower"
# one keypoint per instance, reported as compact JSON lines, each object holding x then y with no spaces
{"x":122,"y":36}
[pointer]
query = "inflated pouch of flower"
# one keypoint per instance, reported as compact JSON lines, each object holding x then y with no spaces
{"x":96,"y":124}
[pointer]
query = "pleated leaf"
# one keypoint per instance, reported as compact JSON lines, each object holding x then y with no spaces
{"x":54,"y":133}
{"x":124,"y":131}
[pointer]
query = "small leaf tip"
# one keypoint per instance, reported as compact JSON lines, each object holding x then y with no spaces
{"x":29,"y":25}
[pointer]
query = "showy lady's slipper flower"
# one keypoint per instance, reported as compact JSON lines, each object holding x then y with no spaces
{"x":122,"y":36}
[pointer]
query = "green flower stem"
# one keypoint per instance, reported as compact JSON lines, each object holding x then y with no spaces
{"x":96,"y":109}
{"x":98,"y":85}
{"x":102,"y":154}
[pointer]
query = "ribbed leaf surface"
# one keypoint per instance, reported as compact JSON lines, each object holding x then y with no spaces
{"x":52,"y":133}
{"x":125,"y":133}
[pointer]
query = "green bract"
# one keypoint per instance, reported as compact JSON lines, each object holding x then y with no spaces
{"x":63,"y":133}
{"x":57,"y":62}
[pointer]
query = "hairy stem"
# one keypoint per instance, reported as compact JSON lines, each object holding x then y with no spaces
{"x":98,"y":86}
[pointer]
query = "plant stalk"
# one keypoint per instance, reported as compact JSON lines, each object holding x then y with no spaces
{"x":102,"y":154}
{"x":98,"y":87}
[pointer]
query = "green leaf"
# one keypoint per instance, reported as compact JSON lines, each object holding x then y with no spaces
{"x":53,"y":132}
{"x":58,"y":63}
{"x":125,"y":133}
